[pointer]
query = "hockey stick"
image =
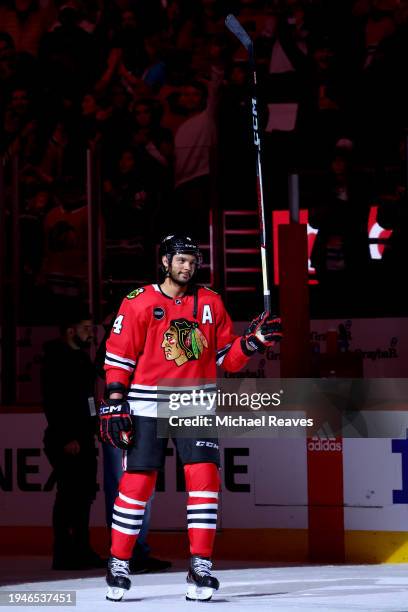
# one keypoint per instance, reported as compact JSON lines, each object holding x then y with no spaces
{"x":236,"y":28}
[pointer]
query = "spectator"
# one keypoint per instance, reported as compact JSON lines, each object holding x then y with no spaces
{"x":328,"y":67}
{"x":153,"y":142}
{"x":8,"y":61}
{"x":38,"y":202}
{"x":64,"y":157}
{"x":92,"y":121}
{"x":127,"y":199}
{"x":116,"y":132}
{"x":183,"y":23}
{"x":155,"y":70}
{"x":393,"y":215}
{"x":340,"y":253}
{"x":129,"y":210}
{"x":322,"y":116}
{"x":194,"y":145}
{"x":27,"y":21}
{"x":68,"y":56}
{"x":54,"y":161}
{"x":18,"y":115}
{"x":236,"y":155}
{"x":68,"y":383}
{"x":65,"y":265}
{"x":379,"y":96}
{"x":132,"y":57}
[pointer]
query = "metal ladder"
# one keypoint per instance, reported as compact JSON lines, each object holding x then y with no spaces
{"x":241,"y":250}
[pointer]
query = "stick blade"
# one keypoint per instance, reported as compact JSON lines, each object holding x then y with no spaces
{"x":236,"y":28}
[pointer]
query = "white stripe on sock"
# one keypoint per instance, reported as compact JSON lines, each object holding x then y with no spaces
{"x":127,"y":510}
{"x":125,"y":531}
{"x":202,"y":506}
{"x":129,"y":500}
{"x":203,"y":494}
{"x":127,"y":520}
{"x":197,"y":516}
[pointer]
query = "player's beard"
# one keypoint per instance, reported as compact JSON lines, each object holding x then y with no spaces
{"x":177,"y":279}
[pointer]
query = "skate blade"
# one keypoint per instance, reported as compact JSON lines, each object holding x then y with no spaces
{"x":114,"y":594}
{"x":195,"y":593}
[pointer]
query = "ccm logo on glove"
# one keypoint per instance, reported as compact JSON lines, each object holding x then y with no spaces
{"x":111,"y":409}
{"x":115,"y":423}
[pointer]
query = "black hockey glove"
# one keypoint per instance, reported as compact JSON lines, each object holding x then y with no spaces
{"x":115,"y":423}
{"x":263,"y":331}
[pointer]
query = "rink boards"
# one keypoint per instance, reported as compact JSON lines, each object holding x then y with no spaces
{"x":294,"y":493}
{"x":265,"y":487}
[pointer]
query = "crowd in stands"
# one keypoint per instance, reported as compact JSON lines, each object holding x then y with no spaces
{"x":158,"y":91}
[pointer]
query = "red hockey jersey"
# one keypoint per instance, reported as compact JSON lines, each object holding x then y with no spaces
{"x":156,"y":339}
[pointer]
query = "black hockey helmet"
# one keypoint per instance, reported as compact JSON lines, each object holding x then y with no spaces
{"x":176,"y":244}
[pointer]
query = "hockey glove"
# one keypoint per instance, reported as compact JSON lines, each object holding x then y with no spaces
{"x":115,"y":423}
{"x":263,"y":331}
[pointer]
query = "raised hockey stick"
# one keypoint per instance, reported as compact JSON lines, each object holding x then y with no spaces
{"x":236,"y":28}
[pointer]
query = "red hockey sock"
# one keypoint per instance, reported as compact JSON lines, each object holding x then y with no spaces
{"x":135,"y":490}
{"x":203,"y":484}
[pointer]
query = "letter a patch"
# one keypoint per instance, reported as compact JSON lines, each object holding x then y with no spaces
{"x":207,"y":314}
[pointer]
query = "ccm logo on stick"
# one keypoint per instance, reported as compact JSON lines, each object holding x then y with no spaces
{"x":209,"y":444}
{"x":257,"y":141}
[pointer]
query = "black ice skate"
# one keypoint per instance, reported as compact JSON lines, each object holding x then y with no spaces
{"x":117,"y":579}
{"x":201,"y":585}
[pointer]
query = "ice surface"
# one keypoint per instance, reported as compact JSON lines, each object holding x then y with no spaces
{"x":363,"y":588}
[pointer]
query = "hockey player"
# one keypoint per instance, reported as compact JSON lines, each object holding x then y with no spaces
{"x":173,"y":330}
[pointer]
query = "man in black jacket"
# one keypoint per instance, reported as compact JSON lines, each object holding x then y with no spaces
{"x":69,"y":441}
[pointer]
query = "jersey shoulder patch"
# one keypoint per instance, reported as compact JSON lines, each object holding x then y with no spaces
{"x":211,"y":290}
{"x":133,"y":294}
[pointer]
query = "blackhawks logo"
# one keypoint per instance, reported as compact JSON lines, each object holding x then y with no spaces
{"x":133,"y":294}
{"x":183,"y":341}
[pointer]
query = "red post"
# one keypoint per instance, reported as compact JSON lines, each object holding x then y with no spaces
{"x":294,"y":301}
{"x":324,"y":456}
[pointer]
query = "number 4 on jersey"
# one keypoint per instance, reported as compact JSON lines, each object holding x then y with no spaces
{"x":117,"y":326}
